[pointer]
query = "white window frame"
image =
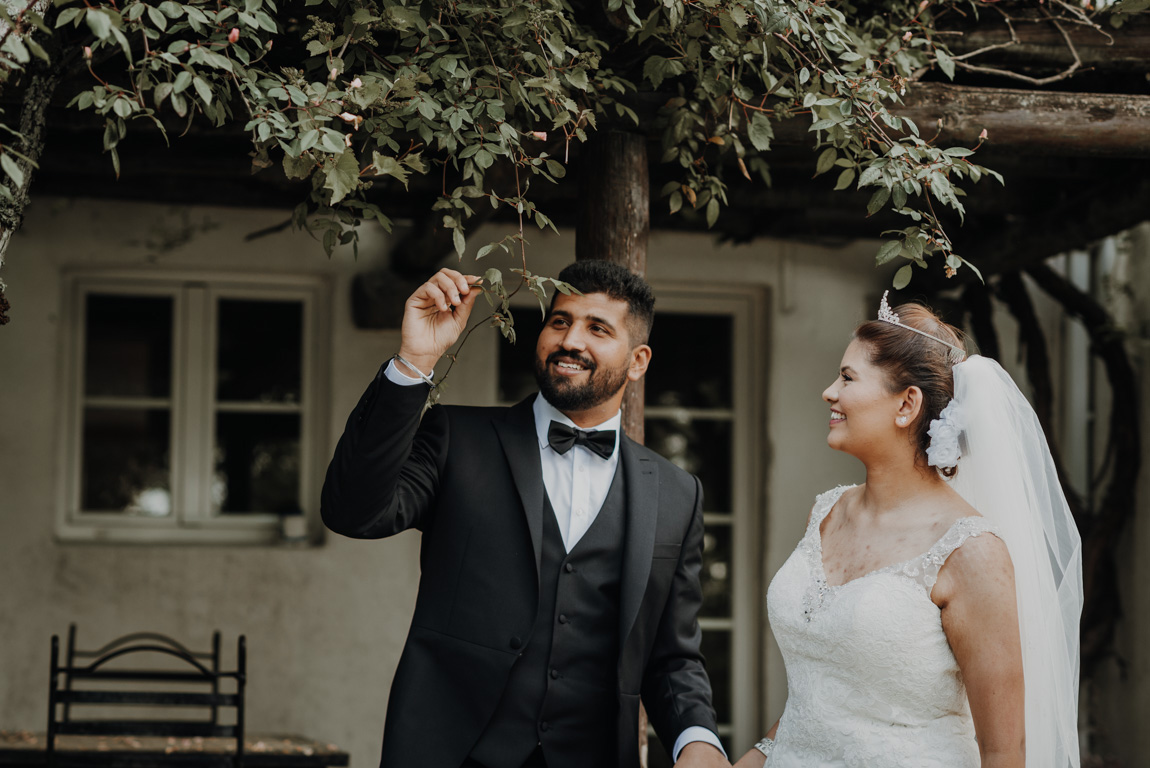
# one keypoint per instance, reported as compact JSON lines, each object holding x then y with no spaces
{"x":747,"y":307}
{"x":192,"y":405}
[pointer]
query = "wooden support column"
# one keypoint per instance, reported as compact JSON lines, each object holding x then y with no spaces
{"x":614,"y":221}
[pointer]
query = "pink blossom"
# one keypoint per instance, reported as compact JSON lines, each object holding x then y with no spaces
{"x":333,"y":74}
{"x":983,"y":134}
{"x":541,"y":135}
{"x":356,"y":83}
{"x":87,"y":53}
{"x":234,"y":35}
{"x":907,"y":35}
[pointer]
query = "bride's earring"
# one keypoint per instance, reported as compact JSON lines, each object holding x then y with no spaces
{"x":902,"y":421}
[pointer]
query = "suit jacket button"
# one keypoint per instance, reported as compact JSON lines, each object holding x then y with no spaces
{"x":554,"y":674}
{"x":562,"y":618}
{"x":569,"y":568}
{"x":545,"y":726}
{"x":516,"y":643}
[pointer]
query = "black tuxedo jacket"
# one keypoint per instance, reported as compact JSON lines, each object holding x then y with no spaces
{"x":470,"y":480}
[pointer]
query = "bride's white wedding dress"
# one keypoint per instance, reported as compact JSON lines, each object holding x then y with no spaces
{"x":871,"y":678}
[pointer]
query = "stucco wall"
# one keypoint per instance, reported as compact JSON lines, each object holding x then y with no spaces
{"x":325,"y":625}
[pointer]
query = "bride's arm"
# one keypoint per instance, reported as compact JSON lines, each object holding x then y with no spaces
{"x":975,"y":591}
{"x":754,"y":758}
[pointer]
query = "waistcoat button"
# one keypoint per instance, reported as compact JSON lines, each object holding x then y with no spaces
{"x":516,"y":643}
{"x":569,"y":568}
{"x":545,"y":726}
{"x":562,"y":618}
{"x":554,"y":674}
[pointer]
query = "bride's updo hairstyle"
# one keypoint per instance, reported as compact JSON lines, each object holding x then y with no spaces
{"x":911,"y":360}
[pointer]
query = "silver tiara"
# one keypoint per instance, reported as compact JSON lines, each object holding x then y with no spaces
{"x":888,"y":315}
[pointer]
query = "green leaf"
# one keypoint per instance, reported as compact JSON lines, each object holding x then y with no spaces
{"x":15,"y":46}
{"x":556,"y":169}
{"x":158,"y":18}
{"x":888,"y":252}
{"x":12,"y":169}
{"x":958,"y":152}
{"x":945,"y":63}
{"x":36,"y":50}
{"x":67,"y":15}
{"x":203,"y":89}
{"x":99,"y":22}
{"x":182,"y":81}
{"x":871,"y":175}
{"x":485,"y":250}
{"x":341,"y":177}
{"x":826,"y":161}
{"x":902,"y":277}
{"x":122,"y":107}
{"x":712,"y":212}
{"x":878,"y":200}
{"x":458,"y":241}
{"x":760,"y":132}
{"x":845,"y":179}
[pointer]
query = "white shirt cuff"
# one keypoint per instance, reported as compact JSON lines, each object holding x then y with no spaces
{"x":696,"y":733}
{"x":396,"y":376}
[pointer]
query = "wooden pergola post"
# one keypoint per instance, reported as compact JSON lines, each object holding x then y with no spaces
{"x":614,"y":221}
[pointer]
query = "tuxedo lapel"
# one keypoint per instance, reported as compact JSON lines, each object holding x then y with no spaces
{"x":642,"y":482}
{"x":520,"y":445}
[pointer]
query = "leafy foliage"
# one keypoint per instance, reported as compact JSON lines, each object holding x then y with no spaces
{"x":346,"y":94}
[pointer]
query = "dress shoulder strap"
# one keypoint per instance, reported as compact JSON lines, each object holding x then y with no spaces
{"x":960,"y":530}
{"x":824,"y":502}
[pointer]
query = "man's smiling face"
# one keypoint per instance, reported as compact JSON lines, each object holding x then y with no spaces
{"x":584,"y":352}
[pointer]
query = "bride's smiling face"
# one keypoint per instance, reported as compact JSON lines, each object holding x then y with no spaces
{"x":863,"y":410}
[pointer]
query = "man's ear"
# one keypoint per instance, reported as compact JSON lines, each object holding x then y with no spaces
{"x":640,"y":359}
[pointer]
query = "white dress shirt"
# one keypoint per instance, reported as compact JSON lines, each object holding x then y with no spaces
{"x":576,"y":504}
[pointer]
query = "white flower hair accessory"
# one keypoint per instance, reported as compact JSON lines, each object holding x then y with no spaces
{"x":944,"y":451}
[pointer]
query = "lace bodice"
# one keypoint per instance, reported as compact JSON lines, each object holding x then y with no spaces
{"x":871,"y":678}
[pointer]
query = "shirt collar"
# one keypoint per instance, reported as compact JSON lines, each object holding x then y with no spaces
{"x":545,"y":413}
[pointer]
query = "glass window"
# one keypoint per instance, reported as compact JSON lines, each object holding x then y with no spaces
{"x":192,"y":408}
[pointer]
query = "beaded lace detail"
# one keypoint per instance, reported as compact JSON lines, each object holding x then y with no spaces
{"x":871,"y":679}
{"x":922,"y":569}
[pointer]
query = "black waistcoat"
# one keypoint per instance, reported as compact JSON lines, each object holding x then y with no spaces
{"x":562,"y":690}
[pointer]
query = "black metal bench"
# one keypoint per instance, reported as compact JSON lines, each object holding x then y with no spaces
{"x":90,"y":691}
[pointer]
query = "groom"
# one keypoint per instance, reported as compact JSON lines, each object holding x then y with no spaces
{"x":560,"y":560}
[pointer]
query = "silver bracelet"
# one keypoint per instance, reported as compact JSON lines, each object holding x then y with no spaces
{"x":765,"y":745}
{"x":427,"y":379}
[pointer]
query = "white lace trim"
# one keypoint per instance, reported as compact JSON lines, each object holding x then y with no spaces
{"x":922,"y":569}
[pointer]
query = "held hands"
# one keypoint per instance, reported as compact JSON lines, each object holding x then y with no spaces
{"x":434,"y":317}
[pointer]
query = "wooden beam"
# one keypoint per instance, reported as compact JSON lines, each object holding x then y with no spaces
{"x":1034,"y":123}
{"x":1039,"y":44}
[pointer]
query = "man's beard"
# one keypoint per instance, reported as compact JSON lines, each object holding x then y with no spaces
{"x":567,"y":396}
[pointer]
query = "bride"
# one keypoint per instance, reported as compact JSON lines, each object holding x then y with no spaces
{"x":929,"y":617}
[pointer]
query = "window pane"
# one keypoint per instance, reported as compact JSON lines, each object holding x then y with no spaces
{"x":691,"y":366}
{"x":259,"y":351}
{"x":257,"y":463}
{"x":129,"y":346}
{"x":703,"y":448}
{"x":125,"y":462}
{"x":716,"y":574}
{"x":517,"y":361}
{"x":716,"y":648}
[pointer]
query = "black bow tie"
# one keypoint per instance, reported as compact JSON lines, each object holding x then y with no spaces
{"x":561,"y":437}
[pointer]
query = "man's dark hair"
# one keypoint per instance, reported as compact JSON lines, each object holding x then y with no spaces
{"x":617,"y":282}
